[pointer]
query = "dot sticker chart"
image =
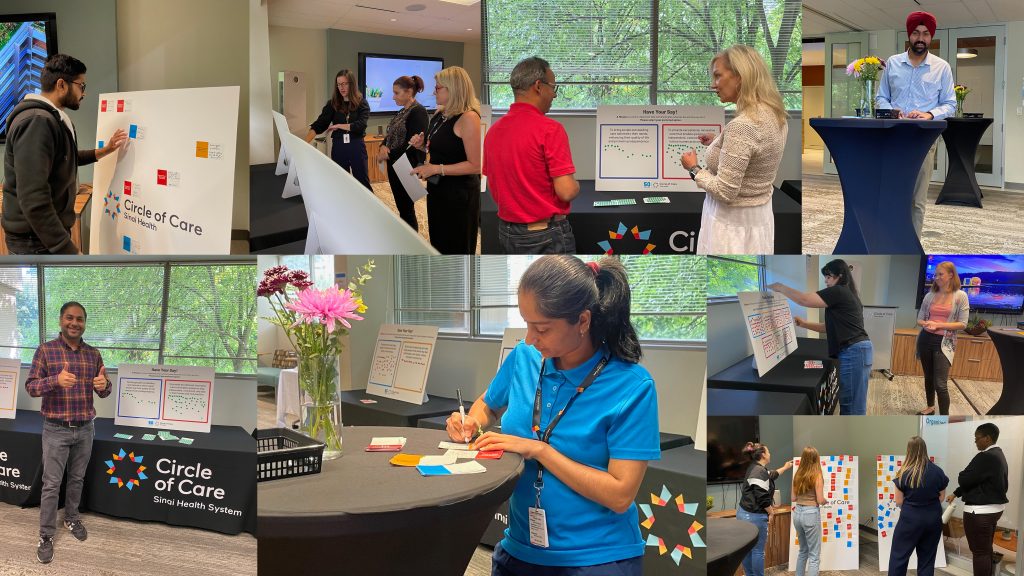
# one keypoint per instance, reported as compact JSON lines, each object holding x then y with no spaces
{"x":840,"y":537}
{"x":769,"y":326}
{"x":401,"y":362}
{"x":165,"y":397}
{"x":888,"y":513}
{"x":10,"y":370}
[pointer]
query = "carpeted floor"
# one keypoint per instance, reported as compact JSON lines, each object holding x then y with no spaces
{"x":993,"y":229}
{"x":905,"y":395}
{"x":382,"y":190}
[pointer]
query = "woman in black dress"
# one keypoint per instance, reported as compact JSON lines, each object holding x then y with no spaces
{"x":452,"y":141}
{"x":410,"y":120}
{"x":344,"y":117}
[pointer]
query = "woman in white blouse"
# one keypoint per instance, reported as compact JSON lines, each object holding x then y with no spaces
{"x":743,"y":160}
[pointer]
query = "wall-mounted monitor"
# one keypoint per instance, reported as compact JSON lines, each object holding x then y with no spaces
{"x":994,"y":283}
{"x":378,"y":72}
{"x":26,"y":41}
{"x":726,"y":438}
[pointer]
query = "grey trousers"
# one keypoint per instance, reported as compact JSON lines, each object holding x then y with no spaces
{"x":68,"y":448}
{"x":924,"y":177}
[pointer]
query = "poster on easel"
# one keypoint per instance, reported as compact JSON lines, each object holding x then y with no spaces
{"x":639,"y":147}
{"x":401,"y":362}
{"x":888,"y":514}
{"x":840,"y":536}
{"x":509,"y":340}
{"x":769,"y":327}
{"x":164,"y":397}
{"x":10,"y":372}
{"x":170,"y":188}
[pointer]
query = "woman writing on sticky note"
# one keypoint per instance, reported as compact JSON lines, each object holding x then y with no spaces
{"x":573,"y":401}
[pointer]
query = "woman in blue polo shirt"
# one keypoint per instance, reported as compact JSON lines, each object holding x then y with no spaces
{"x":583,"y":414}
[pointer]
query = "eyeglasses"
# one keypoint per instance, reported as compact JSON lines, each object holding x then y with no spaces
{"x":554,"y":87}
{"x":80,"y":85}
{"x":438,"y":87}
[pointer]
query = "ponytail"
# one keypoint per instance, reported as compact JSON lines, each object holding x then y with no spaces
{"x":754,"y":450}
{"x":609,"y":319}
{"x":840,"y":269}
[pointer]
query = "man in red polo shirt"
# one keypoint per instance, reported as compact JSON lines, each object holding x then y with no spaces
{"x":529,"y":167}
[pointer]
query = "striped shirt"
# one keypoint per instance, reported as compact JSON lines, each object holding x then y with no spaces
{"x":73,"y":403}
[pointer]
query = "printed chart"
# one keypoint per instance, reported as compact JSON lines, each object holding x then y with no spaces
{"x":401,"y":362}
{"x":769,"y":326}
{"x":165,"y":397}
{"x":10,"y":370}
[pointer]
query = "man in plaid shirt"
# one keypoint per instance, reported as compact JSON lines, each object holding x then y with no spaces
{"x":65,"y":372}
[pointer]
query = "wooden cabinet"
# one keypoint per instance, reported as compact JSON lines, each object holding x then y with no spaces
{"x":372,"y":146}
{"x":975,"y":357}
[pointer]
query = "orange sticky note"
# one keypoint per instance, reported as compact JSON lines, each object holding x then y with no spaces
{"x":202,"y":149}
{"x":405,"y":459}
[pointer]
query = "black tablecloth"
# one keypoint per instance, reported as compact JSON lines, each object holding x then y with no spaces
{"x":673,"y":227}
{"x":962,"y":136}
{"x":681,"y":473}
{"x":820,"y":385}
{"x":725,"y":402}
{"x":391,"y":412}
{"x":729,"y":540}
{"x":365,"y":516}
{"x":167,"y":493}
{"x":21,"y":458}
{"x":1010,"y":347}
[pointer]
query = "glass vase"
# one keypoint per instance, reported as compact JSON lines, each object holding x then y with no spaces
{"x":867,"y":99}
{"x":320,"y":401}
{"x":959,"y":108}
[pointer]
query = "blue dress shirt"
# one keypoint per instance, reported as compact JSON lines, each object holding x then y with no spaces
{"x":927,"y":87}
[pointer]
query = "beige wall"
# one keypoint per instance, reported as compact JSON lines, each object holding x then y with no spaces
{"x":299,"y":50}
{"x":190,"y":44}
{"x":1013,"y":148}
{"x":472,"y":61}
{"x":261,"y":126}
{"x":813,"y":107}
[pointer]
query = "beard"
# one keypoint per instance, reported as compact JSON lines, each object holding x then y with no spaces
{"x":71,"y":101}
{"x":919,"y":48}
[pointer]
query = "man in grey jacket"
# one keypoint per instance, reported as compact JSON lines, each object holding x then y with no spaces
{"x":41,"y":162}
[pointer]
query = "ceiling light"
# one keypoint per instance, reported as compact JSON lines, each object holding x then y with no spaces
{"x":966,"y":53}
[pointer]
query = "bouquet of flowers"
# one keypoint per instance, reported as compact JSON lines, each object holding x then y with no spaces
{"x":314,"y":322}
{"x":866,"y":70}
{"x":961,"y":92}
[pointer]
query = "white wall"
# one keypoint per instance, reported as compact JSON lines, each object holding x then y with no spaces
{"x":1014,"y":120}
{"x":814,"y":107}
{"x":261,"y":139}
{"x":299,"y":50}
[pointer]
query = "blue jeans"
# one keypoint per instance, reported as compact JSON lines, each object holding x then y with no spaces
{"x":753,"y":562}
{"x":64,"y":449}
{"x":854,"y":370}
{"x":807,"y":523}
{"x":504,"y":564}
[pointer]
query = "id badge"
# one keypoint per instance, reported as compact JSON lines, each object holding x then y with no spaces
{"x":346,"y":138}
{"x":538,"y":527}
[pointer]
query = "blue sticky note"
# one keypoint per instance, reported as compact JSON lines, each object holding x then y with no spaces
{"x":831,"y":458}
{"x":133,"y":130}
{"x":880,"y":507}
{"x":100,"y":144}
{"x":126,"y":243}
{"x":433,"y":470}
{"x":849,"y":544}
{"x":846,"y":490}
{"x":890,"y":524}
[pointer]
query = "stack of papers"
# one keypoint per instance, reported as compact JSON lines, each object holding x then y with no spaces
{"x":471,"y":467}
{"x":165,"y":435}
{"x":386,"y":444}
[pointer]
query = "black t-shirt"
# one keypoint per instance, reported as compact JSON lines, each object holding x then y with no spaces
{"x":844,"y":318}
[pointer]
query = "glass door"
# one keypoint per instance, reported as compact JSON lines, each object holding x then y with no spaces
{"x":842,"y":92}
{"x":978,"y":64}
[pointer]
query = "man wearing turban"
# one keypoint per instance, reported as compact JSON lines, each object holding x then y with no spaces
{"x":918,"y":84}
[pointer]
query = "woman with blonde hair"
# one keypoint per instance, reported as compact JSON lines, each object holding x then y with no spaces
{"x":345,"y":117}
{"x":743,"y":160}
{"x":920,"y":488}
{"x":944,"y":310}
{"x":808,"y":495}
{"x":452,"y":171}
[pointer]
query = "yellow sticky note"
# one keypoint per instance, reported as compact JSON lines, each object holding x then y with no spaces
{"x":879,"y":483}
{"x":846,"y":483}
{"x":202,"y":149}
{"x":405,"y":459}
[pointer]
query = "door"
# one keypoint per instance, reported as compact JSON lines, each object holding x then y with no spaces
{"x":979,"y":65}
{"x":842,"y":92}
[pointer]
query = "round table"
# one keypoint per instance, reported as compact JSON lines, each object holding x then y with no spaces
{"x":962,"y":136}
{"x":361,"y":515}
{"x":1009,"y":343}
{"x":878,"y":162}
{"x":729,"y":541}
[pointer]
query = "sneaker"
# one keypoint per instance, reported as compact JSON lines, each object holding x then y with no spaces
{"x":77,"y":528}
{"x":44,"y":551}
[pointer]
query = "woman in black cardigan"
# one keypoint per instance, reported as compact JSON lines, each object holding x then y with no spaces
{"x":344,"y":117}
{"x":409,"y":121}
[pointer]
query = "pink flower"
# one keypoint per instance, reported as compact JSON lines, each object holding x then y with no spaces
{"x":850,"y":70}
{"x":324,"y":307}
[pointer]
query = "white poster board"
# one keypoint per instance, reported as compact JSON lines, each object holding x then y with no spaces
{"x":840,"y":537}
{"x":639,"y":147}
{"x":401,"y":362}
{"x":285,"y":164}
{"x":509,"y":340}
{"x":880,"y":324}
{"x":10,"y":372}
{"x":165,"y":397}
{"x":769,"y":327}
{"x":170,"y":189}
{"x":485,"y":124}
{"x":886,"y":467}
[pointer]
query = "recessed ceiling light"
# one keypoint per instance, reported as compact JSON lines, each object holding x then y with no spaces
{"x":394,"y":19}
{"x":469,"y":29}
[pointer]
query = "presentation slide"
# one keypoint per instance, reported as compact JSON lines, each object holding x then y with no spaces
{"x":769,"y":326}
{"x":10,"y":370}
{"x":170,"y":189}
{"x":639,"y":147}
{"x":381,"y":73}
{"x":840,"y":537}
{"x":165,"y":397}
{"x":886,"y":467}
{"x":401,"y":362}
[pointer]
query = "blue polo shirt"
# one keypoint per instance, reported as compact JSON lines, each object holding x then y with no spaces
{"x":616,"y":417}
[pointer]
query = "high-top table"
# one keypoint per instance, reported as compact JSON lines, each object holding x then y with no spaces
{"x":962,"y":136}
{"x":878,"y":162}
{"x":729,"y":541}
{"x":1009,"y":343}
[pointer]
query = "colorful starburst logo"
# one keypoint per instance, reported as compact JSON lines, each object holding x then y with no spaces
{"x":112,"y":204}
{"x":619,"y":234}
{"x":693,"y":531}
{"x":128,"y":460}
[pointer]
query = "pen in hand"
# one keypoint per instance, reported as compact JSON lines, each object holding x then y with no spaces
{"x":462,"y":413}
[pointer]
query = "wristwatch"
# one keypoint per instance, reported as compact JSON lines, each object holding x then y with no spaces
{"x":693,"y":172}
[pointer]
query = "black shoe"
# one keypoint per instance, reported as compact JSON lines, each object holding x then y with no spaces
{"x":77,"y":529}
{"x":44,"y":551}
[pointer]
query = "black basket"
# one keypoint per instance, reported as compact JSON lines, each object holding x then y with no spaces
{"x":284,"y":453}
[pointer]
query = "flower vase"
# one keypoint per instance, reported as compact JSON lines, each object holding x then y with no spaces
{"x":959,"y":108}
{"x":867,"y":101}
{"x":320,"y":401}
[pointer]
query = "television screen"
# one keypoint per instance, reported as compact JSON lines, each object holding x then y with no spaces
{"x":26,"y":41}
{"x":726,"y":438}
{"x":994,"y":284}
{"x":378,"y":72}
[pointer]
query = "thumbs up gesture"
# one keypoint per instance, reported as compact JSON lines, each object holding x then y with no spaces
{"x":66,"y":379}
{"x":100,"y":381}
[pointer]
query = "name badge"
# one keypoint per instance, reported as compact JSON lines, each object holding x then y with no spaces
{"x":538,"y":527}
{"x":346,"y":138}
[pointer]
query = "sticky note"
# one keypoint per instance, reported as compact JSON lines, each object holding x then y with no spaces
{"x":126,"y":243}
{"x":100,"y":144}
{"x":123,"y":436}
{"x":186,"y":441}
{"x":161,"y":177}
{"x":405,"y":459}
{"x":448,"y":457}
{"x":202,"y":149}
{"x":460,"y":454}
{"x":133,"y":131}
{"x":452,"y":446}
{"x":149,"y":436}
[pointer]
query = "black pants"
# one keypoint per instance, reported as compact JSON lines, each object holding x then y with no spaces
{"x":919,"y":529}
{"x":453,"y":214}
{"x":352,"y":156}
{"x":980,"y":529}
{"x":936,"y":369}
{"x":406,"y":207}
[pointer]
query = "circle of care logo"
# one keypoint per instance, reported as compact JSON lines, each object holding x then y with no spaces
{"x":685,"y":509}
{"x":619,"y":234}
{"x":112,"y":204}
{"x":122,"y":463}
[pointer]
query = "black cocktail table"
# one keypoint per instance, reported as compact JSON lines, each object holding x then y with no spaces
{"x":962,"y":136}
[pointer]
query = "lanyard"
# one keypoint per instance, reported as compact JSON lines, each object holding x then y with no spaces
{"x":437,"y":127}
{"x":545,"y":437}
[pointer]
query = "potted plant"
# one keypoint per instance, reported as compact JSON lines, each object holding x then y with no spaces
{"x":976,"y":325}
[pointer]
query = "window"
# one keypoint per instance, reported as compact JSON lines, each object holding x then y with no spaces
{"x":728,"y":275}
{"x":637,"y":52}
{"x":190,"y":313}
{"x":477,"y":296}
{"x":319,"y":268}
